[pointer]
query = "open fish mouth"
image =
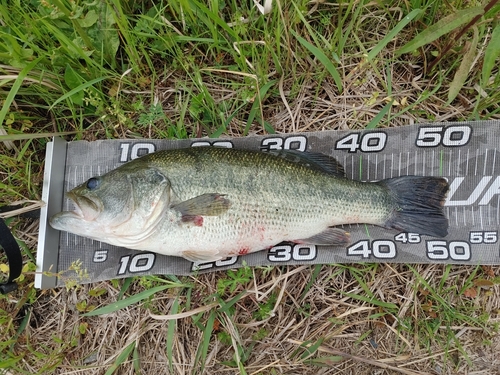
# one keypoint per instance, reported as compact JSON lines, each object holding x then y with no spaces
{"x":84,"y":208}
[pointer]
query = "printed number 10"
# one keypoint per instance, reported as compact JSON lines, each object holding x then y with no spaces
{"x":136,"y":263}
{"x":137,"y":150}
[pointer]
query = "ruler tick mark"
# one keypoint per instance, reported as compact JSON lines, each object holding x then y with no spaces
{"x":485,"y":161}
{"x":494,"y":160}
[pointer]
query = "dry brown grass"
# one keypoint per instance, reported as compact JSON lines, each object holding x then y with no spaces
{"x":366,"y":345}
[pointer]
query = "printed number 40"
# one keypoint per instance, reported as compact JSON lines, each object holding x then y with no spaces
{"x":368,"y":142}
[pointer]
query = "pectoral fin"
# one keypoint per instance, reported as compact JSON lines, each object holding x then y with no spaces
{"x":330,"y":236}
{"x":203,"y":205}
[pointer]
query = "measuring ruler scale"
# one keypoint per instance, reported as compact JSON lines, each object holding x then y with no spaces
{"x":465,"y":153}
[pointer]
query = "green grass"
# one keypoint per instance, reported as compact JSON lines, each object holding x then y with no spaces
{"x":188,"y":68}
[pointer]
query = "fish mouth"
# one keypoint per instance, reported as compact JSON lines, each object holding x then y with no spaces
{"x":85,"y":208}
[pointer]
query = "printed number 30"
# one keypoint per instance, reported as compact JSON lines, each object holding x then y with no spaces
{"x":285,"y":253}
{"x":298,"y":143}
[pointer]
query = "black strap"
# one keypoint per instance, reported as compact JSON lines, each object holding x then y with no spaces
{"x":11,"y":248}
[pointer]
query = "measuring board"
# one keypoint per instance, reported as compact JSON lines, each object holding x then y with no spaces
{"x":465,"y":153}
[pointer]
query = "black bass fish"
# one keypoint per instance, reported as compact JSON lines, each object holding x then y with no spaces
{"x":208,"y":203}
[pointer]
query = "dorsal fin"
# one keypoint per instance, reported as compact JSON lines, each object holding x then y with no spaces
{"x":313,"y":160}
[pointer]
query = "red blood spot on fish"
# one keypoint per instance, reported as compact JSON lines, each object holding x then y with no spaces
{"x":260,"y":233}
{"x":243,"y":251}
{"x":195,"y":219}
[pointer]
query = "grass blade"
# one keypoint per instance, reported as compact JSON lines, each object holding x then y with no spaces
{"x":20,"y":137}
{"x":440,"y":28}
{"x":120,"y":359}
{"x":375,"y":121}
{"x":172,"y":325}
{"x":373,"y":301}
{"x":76,"y":90}
{"x":15,"y":88}
{"x":490,"y":55}
{"x":311,"y":349}
{"x":215,"y":19}
{"x":328,"y":361}
{"x":125,"y":286}
{"x":463,"y":70}
{"x":310,"y":283}
{"x":201,"y":354}
{"x":256,"y":105}
{"x":136,"y":359}
{"x":320,"y":55}
{"x":392,"y":34}
{"x":128,"y":301}
{"x":225,"y":306}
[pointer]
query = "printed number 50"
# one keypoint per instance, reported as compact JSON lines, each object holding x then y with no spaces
{"x":451,"y":136}
{"x":442,"y":250}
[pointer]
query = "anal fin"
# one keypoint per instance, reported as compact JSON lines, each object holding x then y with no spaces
{"x":201,"y":255}
{"x":330,"y":236}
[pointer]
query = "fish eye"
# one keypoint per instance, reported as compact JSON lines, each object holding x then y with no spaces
{"x":92,"y":183}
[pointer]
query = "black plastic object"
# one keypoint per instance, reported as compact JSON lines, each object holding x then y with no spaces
{"x":12,"y":250}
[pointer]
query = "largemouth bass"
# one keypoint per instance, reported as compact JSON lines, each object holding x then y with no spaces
{"x":208,"y":203}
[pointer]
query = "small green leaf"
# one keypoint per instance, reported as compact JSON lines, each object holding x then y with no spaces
{"x":96,"y":292}
{"x":90,"y":18}
{"x":320,"y":55}
{"x":463,"y":70}
{"x":81,"y":306}
{"x":491,"y":54}
{"x":440,"y":28}
{"x":82,"y":328}
{"x":73,"y":80}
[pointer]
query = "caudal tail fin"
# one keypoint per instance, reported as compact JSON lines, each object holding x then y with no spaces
{"x":418,"y":205}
